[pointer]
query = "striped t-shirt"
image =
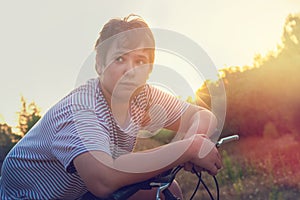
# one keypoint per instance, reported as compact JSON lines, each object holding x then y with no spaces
{"x":41,"y":166}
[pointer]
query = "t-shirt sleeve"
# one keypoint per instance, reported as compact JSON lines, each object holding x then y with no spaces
{"x":164,"y":109}
{"x":80,"y":132}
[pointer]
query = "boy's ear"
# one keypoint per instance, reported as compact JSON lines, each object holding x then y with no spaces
{"x":98,"y":69}
{"x":99,"y":66}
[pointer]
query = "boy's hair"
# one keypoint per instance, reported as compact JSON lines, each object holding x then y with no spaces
{"x":131,"y":32}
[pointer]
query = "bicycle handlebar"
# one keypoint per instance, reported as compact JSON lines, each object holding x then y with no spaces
{"x":162,"y":182}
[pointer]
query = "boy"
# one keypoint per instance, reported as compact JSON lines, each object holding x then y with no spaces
{"x":85,"y":142}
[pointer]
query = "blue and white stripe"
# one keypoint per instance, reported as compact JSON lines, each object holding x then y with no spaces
{"x":40,"y":166}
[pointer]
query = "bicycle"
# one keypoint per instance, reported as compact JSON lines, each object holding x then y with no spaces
{"x":162,"y":183}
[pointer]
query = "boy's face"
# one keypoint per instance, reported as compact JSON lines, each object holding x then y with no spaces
{"x":124,"y":72}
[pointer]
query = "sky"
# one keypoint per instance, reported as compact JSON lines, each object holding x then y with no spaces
{"x":45,"y":44}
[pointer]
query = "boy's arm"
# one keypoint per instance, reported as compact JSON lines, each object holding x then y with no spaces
{"x":103,"y":175}
{"x":195,"y":120}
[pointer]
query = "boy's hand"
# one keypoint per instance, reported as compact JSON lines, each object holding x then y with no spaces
{"x":207,"y":157}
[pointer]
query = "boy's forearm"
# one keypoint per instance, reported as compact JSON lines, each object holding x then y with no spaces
{"x":103,"y":175}
{"x":202,"y":122}
{"x":157,"y":159}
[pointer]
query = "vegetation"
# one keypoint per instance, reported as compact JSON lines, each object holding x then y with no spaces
{"x":267,"y":94}
{"x":28,"y":116}
{"x":263,"y":107}
{"x":7,"y":140}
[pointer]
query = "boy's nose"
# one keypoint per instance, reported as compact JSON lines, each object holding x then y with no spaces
{"x":130,"y":68}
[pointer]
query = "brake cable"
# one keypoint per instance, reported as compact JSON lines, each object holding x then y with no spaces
{"x":200,"y":180}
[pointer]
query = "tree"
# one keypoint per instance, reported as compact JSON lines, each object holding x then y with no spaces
{"x":7,"y":139}
{"x":28,"y":116}
{"x":291,"y":34}
{"x":264,"y":98}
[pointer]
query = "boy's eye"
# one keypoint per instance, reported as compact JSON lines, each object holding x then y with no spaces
{"x":120,"y":59}
{"x":141,"y":62}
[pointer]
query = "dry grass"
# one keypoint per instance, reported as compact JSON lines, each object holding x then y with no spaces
{"x":254,"y":168}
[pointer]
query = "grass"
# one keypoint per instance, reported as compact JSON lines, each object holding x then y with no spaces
{"x":254,"y":168}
